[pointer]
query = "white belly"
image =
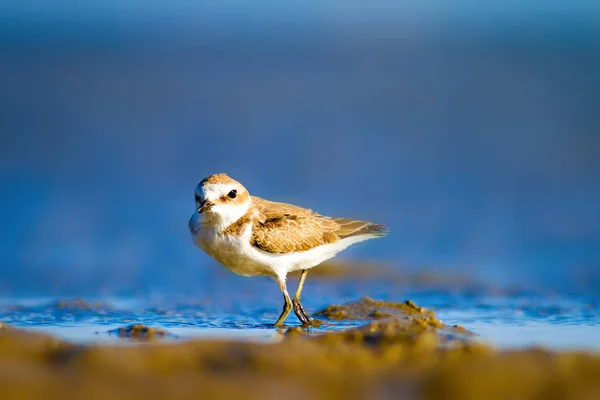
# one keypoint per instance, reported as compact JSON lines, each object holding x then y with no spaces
{"x":238,"y":254}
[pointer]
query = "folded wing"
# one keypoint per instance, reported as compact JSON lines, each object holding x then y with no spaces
{"x":285,"y":228}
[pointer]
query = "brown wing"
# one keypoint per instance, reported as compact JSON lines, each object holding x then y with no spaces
{"x":267,"y":207}
{"x":286,"y":233}
{"x":284,"y":228}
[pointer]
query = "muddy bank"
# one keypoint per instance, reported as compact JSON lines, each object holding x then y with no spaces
{"x":404,"y":351}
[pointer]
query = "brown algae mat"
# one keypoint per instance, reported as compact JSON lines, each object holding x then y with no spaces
{"x":402,"y":351}
{"x":140,"y":332}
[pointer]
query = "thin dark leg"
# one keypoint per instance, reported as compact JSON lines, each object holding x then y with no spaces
{"x":298,"y":309}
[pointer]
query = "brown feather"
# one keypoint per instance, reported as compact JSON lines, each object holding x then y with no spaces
{"x":284,"y":228}
{"x":217,"y":179}
{"x":351,"y":227}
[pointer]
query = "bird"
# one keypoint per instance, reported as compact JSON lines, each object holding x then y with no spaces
{"x":256,"y":237}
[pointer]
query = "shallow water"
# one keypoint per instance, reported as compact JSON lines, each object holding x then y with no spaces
{"x":507,"y":320}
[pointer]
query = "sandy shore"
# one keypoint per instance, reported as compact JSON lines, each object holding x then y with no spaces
{"x":404,"y":352}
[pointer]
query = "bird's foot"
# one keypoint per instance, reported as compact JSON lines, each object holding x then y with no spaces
{"x":302,"y":314}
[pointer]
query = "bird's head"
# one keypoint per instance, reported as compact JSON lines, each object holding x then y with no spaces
{"x":220,"y":201}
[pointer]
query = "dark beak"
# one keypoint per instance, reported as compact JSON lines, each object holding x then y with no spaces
{"x":205,"y":206}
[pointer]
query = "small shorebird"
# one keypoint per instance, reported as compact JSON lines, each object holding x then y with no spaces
{"x":253,"y":236}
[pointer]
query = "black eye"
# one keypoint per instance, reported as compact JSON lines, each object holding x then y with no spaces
{"x":232,"y":194}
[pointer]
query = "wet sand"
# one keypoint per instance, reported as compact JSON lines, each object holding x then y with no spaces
{"x":401,"y":351}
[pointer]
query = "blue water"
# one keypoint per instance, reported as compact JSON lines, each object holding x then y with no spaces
{"x":507,"y":320}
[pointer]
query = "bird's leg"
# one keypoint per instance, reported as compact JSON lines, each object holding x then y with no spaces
{"x":287,"y":306}
{"x":298,"y":309}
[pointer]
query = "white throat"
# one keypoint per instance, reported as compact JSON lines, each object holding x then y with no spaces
{"x":223,"y":215}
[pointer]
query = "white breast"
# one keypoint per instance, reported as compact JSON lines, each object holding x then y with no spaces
{"x":231,"y":251}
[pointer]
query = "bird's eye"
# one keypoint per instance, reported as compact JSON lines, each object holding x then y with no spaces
{"x":232,"y":194}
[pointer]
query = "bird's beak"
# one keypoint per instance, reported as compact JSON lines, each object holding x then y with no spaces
{"x":205,"y":206}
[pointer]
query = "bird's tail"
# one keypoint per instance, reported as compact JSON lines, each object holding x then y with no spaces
{"x":352,"y":227}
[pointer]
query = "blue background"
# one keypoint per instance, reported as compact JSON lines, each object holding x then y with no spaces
{"x":472,"y":131}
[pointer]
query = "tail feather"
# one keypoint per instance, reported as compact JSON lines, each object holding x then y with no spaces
{"x":351,"y":227}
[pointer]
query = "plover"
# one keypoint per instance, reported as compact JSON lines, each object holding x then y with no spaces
{"x":253,"y":236}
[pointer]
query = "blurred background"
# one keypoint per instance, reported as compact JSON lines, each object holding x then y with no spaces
{"x":472,"y":129}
